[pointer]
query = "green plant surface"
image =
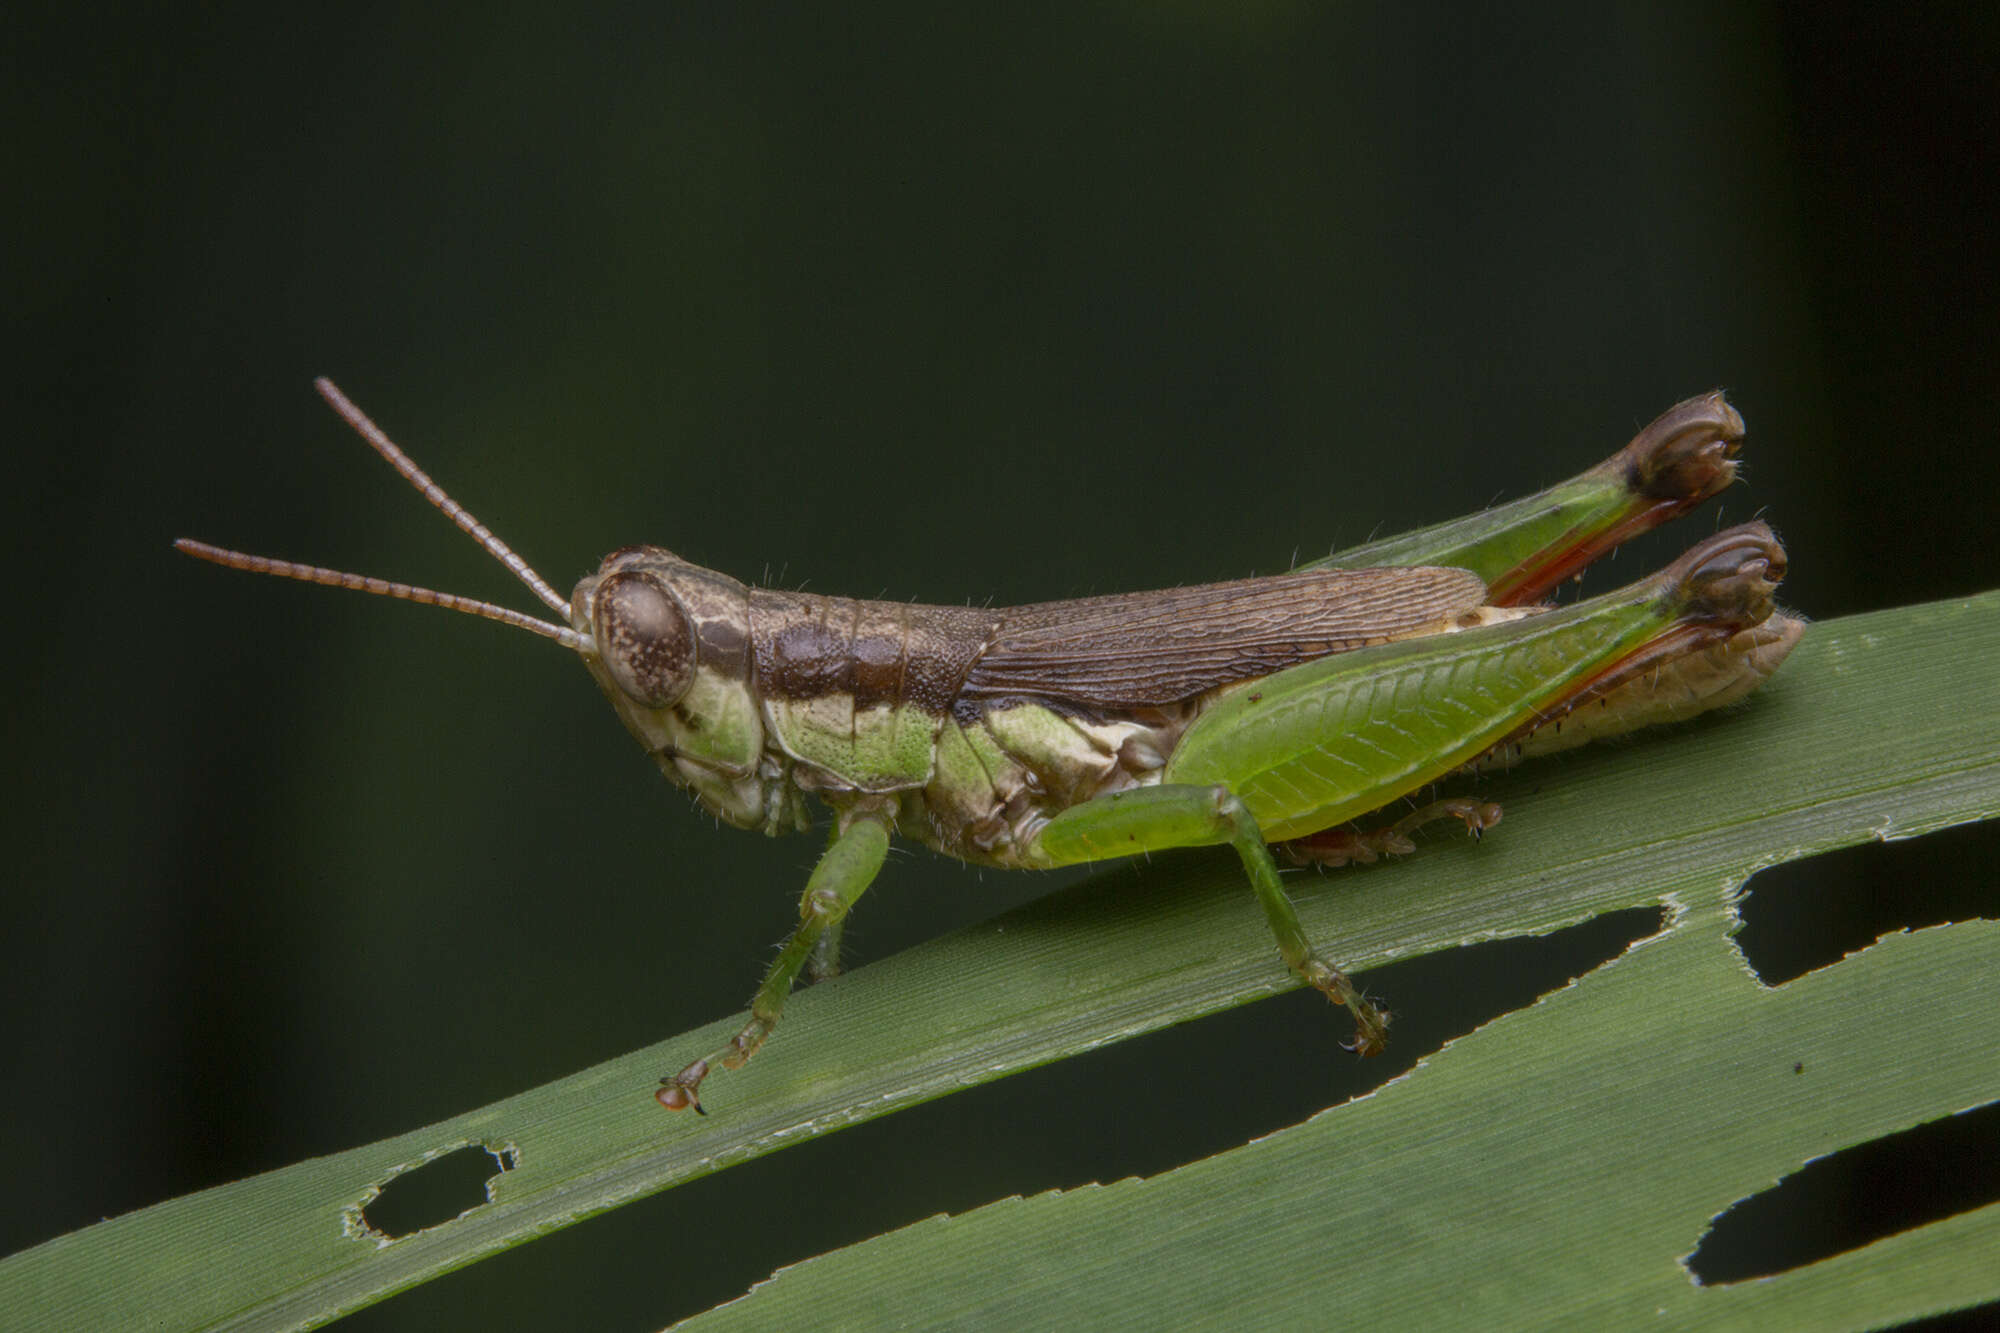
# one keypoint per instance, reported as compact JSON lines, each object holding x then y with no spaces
{"x":1557,"y":1162}
{"x":1553,"y":1169}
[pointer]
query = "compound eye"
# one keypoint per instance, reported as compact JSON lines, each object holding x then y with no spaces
{"x":643,"y":639}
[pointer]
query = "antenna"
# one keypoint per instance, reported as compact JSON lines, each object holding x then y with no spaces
{"x":452,"y":509}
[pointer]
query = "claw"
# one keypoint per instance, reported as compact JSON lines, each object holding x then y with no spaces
{"x":678,"y":1092}
{"x":1371,"y":1032}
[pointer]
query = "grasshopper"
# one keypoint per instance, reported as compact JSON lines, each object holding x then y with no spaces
{"x":1259,"y":712}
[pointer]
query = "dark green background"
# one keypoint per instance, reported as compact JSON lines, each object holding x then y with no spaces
{"x":1068,"y":299}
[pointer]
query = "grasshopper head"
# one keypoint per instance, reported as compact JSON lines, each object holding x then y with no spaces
{"x":670,"y":648}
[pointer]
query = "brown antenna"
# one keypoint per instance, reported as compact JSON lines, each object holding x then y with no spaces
{"x":452,"y":509}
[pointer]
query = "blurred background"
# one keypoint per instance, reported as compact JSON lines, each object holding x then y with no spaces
{"x":878,"y":300}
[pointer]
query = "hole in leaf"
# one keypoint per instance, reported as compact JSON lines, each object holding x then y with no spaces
{"x":1806,"y":914}
{"x":1856,"y":1196}
{"x":436,"y":1191}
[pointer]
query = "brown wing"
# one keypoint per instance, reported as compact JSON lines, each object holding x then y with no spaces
{"x":1152,"y":648}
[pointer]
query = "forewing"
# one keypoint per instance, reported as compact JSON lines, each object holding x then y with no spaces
{"x":1156,"y":648}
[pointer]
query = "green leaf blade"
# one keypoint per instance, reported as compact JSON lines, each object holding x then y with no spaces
{"x":1554,"y":1167}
